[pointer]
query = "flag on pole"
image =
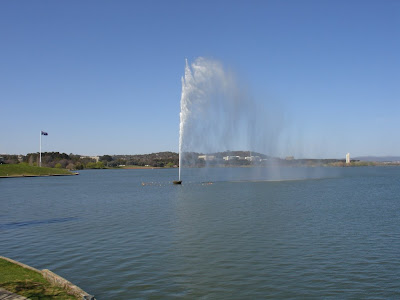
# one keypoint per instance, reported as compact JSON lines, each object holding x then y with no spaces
{"x":44,"y":133}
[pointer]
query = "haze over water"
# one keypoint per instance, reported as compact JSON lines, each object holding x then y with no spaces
{"x":332,"y":233}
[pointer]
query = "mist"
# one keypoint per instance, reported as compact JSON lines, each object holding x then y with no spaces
{"x":218,"y":113}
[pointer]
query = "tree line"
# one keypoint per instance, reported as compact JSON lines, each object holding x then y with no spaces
{"x":79,"y":162}
{"x":159,"y":159}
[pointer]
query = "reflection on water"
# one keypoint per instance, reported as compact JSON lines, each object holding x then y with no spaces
{"x":287,"y":237}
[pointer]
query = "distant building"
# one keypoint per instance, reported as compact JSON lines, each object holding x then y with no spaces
{"x":253,"y":158}
{"x":96,"y":158}
{"x":206,"y":157}
{"x":289,"y":157}
{"x":232,"y":157}
{"x":347,"y":158}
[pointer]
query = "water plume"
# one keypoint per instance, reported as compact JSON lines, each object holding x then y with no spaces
{"x":217,"y":113}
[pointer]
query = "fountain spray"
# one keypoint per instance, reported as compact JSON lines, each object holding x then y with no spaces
{"x":186,"y":82}
{"x":217,"y":114}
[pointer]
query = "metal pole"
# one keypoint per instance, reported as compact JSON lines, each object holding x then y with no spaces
{"x":40,"y":150}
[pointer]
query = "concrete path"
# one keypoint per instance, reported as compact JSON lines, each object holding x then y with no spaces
{"x":6,"y":295}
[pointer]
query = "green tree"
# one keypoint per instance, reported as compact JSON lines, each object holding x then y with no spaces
{"x":106,"y":158}
{"x":90,"y":165}
{"x":99,"y":165}
{"x":71,"y":166}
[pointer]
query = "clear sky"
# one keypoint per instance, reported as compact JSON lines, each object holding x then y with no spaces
{"x":104,"y":77}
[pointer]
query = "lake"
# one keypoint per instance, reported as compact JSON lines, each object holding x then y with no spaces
{"x":225,"y":233}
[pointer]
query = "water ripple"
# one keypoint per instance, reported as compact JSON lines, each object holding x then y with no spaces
{"x":333,"y":238}
{"x":15,"y":225}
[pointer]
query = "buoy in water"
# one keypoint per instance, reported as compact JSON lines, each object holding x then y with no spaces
{"x":177,"y":182}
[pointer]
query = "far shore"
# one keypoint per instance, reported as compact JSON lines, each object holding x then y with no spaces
{"x":48,"y":175}
{"x":141,"y":167}
{"x":25,"y":170}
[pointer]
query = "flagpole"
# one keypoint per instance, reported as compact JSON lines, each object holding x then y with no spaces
{"x":40,"y":150}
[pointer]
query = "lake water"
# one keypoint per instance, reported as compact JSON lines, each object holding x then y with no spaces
{"x":308,"y":233}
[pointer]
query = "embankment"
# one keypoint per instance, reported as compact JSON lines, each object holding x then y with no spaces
{"x":54,"y":279}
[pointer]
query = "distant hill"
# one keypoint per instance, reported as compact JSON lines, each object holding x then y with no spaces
{"x":377,"y":158}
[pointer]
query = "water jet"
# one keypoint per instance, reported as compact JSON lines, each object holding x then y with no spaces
{"x":217,"y":113}
{"x":211,"y":114}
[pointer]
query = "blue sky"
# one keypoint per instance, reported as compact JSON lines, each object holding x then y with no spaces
{"x":104,"y":77}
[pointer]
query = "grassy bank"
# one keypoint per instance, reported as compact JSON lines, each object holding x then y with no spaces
{"x":28,"y":283}
{"x":25,"y":169}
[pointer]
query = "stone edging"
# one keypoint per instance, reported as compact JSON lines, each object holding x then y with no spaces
{"x":55,"y":279}
{"x":7,"y":295}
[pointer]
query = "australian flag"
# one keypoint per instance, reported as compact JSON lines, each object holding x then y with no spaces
{"x":44,"y":133}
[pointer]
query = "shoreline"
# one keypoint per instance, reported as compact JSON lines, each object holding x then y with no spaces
{"x":139,"y":168}
{"x":54,"y":279}
{"x":28,"y":175}
{"x":210,"y":166}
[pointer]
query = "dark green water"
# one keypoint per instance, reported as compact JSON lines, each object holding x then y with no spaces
{"x":316,"y":233}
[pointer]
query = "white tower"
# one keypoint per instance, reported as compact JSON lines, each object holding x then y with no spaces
{"x":347,"y":158}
